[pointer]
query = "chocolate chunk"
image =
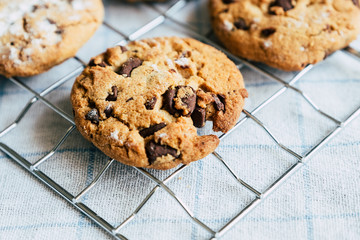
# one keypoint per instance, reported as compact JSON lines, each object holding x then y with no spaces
{"x":284,"y":4}
{"x":123,"y":49}
{"x":267,"y":32}
{"x":180,"y":100}
{"x":129,"y":65}
{"x":155,"y":150}
{"x":189,"y":100}
{"x":356,"y":3}
{"x":113,"y":95}
{"x":93,"y":64}
{"x":219,"y":105}
{"x":150,"y":104}
{"x":151,"y":130}
{"x":169,"y":100}
{"x":130,"y":99}
{"x":93,"y":116}
{"x":199,"y":117}
{"x":228,"y":1}
{"x":108,"y":111}
{"x":241,"y":24}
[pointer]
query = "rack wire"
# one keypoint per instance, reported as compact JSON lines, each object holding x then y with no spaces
{"x":115,"y":231}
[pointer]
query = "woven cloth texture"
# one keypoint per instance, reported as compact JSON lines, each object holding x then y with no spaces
{"x":320,"y":201}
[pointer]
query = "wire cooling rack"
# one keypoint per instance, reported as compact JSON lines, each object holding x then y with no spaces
{"x":259,"y":196}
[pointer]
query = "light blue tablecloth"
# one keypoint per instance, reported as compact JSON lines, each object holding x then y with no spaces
{"x":321,"y":201}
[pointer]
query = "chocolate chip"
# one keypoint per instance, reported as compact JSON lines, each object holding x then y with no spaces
{"x":228,"y":1}
{"x":35,"y":7}
{"x":241,"y":24}
{"x":267,"y":32}
{"x":150,"y":104}
{"x":123,"y":49}
{"x":224,"y":10}
{"x":59,"y":31}
{"x":155,"y":150}
{"x":219,"y":105}
{"x":169,"y":100}
{"x":93,"y":64}
{"x":51,"y":21}
{"x":151,"y":130}
{"x":356,"y":3}
{"x":199,"y":117}
{"x":108,"y":111}
{"x":129,"y":65}
{"x":130,"y":99}
{"x":93,"y":116}
{"x":284,"y":4}
{"x":113,"y":95}
{"x":180,"y":100}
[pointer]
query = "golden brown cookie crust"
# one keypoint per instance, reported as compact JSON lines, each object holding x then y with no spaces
{"x":286,"y":34}
{"x":37,"y":35}
{"x":134,"y":99}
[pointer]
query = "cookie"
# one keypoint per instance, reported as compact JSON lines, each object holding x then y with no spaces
{"x":285,"y":34}
{"x":35,"y":35}
{"x":141,"y":103}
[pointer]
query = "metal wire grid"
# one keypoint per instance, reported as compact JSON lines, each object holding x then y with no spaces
{"x":115,"y":231}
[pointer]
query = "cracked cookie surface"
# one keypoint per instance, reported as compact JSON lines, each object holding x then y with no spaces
{"x":36,"y":35}
{"x":286,"y":34}
{"x":140,"y":103}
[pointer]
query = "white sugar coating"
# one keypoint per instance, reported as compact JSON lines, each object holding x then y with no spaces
{"x":14,"y":56}
{"x":28,"y":51}
{"x":16,"y":29}
{"x":46,"y":26}
{"x":13,"y":11}
{"x":48,"y":34}
{"x":183,"y":61}
{"x":267,"y":43}
{"x":155,"y":67}
{"x":256,"y":20}
{"x":228,"y":25}
{"x":3,"y":28}
{"x":325,"y":14}
{"x":74,"y":18}
{"x":36,"y":42}
{"x":115,"y":135}
{"x":162,"y":135}
{"x":13,"y":53}
{"x":77,"y":5}
{"x":302,"y":49}
{"x":169,"y":63}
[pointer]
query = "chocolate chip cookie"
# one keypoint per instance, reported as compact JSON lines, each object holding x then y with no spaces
{"x":141,"y":103}
{"x":286,"y":34}
{"x":35,"y":35}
